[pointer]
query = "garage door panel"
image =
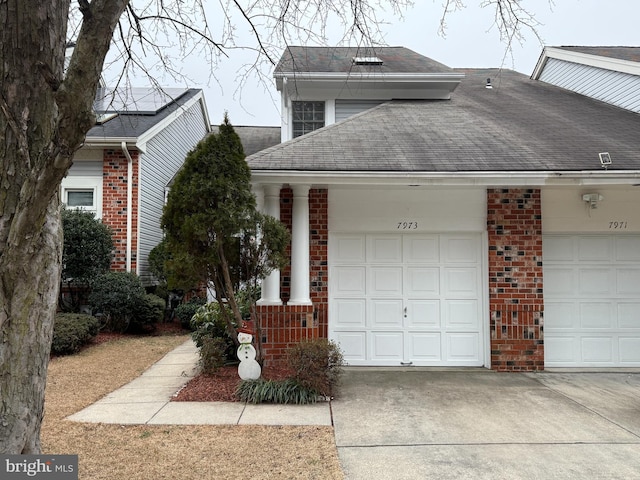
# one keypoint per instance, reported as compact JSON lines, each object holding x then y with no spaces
{"x":387,"y":346}
{"x":353,"y":345}
{"x":385,"y":281}
{"x":421,"y":249}
{"x":629,"y":315}
{"x":596,"y":315}
{"x":348,"y":281}
{"x":596,"y":281}
{"x":596,"y":248}
{"x":348,"y":249}
{"x":423,"y":282}
{"x":350,"y":312}
{"x":386,"y":313}
{"x":459,"y":249}
{"x":462,"y":347}
{"x":424,"y":346}
{"x":627,"y":249}
{"x":423,"y":314}
{"x":560,"y":281}
{"x":384,"y":249}
{"x":461,"y":282}
{"x":461,"y":314}
{"x":629,"y":348}
{"x":558,"y":249}
{"x":560,"y":315}
{"x":560,"y":350}
{"x":597,"y":350}
{"x":628,"y":281}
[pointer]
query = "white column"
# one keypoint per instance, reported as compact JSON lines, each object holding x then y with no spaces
{"x":300,"y":246}
{"x":271,"y":284}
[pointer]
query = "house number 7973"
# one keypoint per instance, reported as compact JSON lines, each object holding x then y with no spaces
{"x":407,"y":225}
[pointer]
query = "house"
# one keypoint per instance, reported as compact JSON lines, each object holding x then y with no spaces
{"x":450,"y":217}
{"x":121,"y":173}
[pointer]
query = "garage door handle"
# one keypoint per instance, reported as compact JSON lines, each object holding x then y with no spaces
{"x":405,"y":312}
{"x":406,"y":364}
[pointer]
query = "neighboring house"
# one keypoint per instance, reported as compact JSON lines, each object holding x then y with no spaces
{"x":122,"y":171}
{"x":470,"y":218}
{"x":609,"y":74}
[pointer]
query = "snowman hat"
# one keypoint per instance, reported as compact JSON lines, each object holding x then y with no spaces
{"x":245,"y":329}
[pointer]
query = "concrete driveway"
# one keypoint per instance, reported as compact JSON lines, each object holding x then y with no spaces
{"x":478,"y":424}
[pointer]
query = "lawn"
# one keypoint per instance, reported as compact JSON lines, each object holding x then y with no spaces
{"x":119,"y":452}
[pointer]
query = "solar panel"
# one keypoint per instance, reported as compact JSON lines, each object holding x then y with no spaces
{"x":137,"y":100}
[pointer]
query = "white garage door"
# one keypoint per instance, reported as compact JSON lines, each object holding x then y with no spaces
{"x":592,"y":300}
{"x":406,"y":299}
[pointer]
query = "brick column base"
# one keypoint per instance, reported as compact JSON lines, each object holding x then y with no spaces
{"x":282,"y":326}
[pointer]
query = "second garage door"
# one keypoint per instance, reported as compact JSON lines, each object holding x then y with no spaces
{"x":407,"y":299}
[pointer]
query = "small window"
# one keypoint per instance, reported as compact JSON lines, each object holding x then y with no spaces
{"x":366,"y":61}
{"x":80,"y":198}
{"x":307,"y":117}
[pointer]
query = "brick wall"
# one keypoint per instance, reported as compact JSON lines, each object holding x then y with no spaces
{"x":282,"y":326}
{"x":514,"y":223}
{"x":114,"y":205}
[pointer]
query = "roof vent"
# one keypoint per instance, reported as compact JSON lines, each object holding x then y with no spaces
{"x":366,"y":61}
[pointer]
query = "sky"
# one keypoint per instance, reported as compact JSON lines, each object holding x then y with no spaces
{"x":471,"y":41}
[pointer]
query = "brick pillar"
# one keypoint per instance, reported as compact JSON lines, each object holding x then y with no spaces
{"x":514,"y":223}
{"x":114,"y":205}
{"x":284,"y":325}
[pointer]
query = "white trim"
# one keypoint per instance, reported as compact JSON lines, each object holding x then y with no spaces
{"x":84,"y":183}
{"x":607,"y":63}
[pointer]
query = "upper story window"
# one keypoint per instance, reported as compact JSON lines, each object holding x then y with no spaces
{"x":307,"y":117}
{"x":84,"y":193}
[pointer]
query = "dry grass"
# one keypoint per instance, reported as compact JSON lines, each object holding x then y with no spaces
{"x":116,"y":452}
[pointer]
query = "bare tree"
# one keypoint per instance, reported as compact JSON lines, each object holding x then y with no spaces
{"x":46,"y":110}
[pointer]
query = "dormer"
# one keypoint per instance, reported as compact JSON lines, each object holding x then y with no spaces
{"x":323,"y":85}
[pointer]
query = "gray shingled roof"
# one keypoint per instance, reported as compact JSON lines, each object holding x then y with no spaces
{"x":631,"y":54}
{"x":519,"y":125}
{"x":132,"y":124}
{"x":254,"y":139}
{"x":339,"y":59}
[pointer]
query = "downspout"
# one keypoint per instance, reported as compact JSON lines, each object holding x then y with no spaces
{"x":129,"y":201}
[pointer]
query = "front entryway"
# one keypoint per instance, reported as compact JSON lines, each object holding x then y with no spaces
{"x":407,"y":299}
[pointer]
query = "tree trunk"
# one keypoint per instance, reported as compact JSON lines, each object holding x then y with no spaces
{"x":44,"y":116}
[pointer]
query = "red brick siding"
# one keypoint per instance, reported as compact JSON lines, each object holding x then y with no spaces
{"x":283,"y":326}
{"x":114,"y":205}
{"x":514,"y":223}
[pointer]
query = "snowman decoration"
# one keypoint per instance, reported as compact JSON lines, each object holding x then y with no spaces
{"x":248,"y":369}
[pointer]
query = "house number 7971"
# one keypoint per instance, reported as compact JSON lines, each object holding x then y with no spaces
{"x":407,"y":225}
{"x":617,"y":225}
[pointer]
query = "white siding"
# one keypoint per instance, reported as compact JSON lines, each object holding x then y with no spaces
{"x":347,"y":108}
{"x":164,"y":157}
{"x":616,"y":88}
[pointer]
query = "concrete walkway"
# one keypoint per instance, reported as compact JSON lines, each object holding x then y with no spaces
{"x":147,"y":400}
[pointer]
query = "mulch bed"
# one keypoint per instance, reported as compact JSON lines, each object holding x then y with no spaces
{"x":221,"y":386}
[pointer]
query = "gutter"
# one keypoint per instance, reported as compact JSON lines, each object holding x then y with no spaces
{"x":123,"y":145}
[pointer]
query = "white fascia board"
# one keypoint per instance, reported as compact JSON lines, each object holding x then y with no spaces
{"x":366,"y":77}
{"x":487,"y":179}
{"x":607,"y":63}
{"x":112,"y":142}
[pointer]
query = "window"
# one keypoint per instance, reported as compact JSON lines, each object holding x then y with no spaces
{"x":84,"y":193}
{"x":307,"y":117}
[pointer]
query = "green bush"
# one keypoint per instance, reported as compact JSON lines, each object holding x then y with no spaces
{"x":186,"y":310}
{"x":118,"y":296}
{"x":316,"y":365}
{"x":212,"y":354}
{"x":148,"y":312}
{"x":208,"y":323}
{"x":71,"y":331}
{"x":287,"y":391}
